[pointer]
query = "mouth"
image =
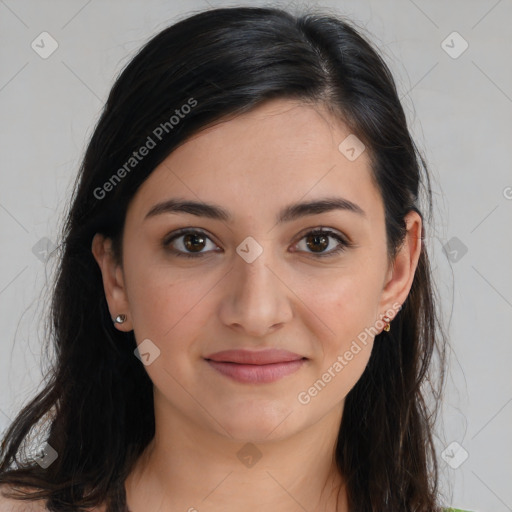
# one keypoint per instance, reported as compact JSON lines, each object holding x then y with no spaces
{"x":255,"y":366}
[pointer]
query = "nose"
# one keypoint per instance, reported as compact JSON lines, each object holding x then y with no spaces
{"x":257,"y":300}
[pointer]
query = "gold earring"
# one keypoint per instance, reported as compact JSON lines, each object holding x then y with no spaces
{"x":387,"y":327}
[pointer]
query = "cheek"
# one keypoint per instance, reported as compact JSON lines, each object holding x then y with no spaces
{"x":170,"y":311}
{"x":345,"y":313}
{"x":162,"y":298}
{"x":345,"y":307}
{"x":163,"y":303}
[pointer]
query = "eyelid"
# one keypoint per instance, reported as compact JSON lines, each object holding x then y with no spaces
{"x":328,"y":230}
{"x":184,"y":231}
{"x":344,"y":241}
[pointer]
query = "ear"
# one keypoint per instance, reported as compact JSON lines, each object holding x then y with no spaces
{"x":113,"y":281}
{"x":400,"y":275}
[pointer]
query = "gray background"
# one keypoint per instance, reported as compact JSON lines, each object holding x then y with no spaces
{"x":459,"y":108}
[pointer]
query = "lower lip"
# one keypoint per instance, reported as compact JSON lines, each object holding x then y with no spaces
{"x":256,"y":374}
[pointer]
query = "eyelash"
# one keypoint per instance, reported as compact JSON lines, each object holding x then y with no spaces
{"x":344,"y":244}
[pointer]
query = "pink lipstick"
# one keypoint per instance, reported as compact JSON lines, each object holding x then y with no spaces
{"x":255,"y":367}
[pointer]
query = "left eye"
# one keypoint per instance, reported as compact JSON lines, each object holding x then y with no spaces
{"x":195,"y":241}
{"x":318,"y":240}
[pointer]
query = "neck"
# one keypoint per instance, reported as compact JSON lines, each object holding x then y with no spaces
{"x":187,"y":467}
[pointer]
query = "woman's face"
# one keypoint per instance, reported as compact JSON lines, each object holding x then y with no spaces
{"x":258,"y":279}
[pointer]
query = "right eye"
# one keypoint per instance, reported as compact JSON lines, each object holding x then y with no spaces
{"x":187,"y":240}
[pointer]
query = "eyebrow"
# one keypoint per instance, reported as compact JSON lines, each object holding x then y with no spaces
{"x":289,"y":213}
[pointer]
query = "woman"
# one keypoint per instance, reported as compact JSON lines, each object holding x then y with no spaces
{"x":244,"y":315}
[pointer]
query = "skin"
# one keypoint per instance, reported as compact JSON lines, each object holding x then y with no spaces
{"x":253,"y":165}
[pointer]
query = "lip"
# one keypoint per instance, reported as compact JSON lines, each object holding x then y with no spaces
{"x":255,"y":366}
{"x":267,"y":356}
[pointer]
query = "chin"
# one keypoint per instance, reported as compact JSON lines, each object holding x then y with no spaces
{"x":257,"y":434}
{"x":256,"y":422}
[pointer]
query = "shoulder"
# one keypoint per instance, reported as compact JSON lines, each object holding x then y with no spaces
{"x":14,"y":505}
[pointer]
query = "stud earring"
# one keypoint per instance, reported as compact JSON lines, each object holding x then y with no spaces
{"x":387,"y":327}
{"x":119,"y":319}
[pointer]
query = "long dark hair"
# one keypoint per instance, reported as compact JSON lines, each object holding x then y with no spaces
{"x":97,"y":400}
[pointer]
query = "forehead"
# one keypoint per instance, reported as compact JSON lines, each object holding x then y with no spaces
{"x":280,"y":152}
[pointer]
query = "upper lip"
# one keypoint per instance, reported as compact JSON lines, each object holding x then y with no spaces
{"x":268,"y":356}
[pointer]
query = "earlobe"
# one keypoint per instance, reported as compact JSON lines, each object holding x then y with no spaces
{"x":400,"y":278}
{"x":113,"y":282}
